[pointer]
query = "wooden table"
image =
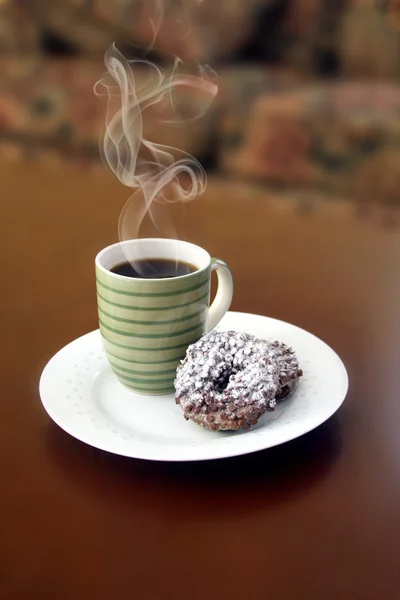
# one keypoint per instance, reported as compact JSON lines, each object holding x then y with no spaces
{"x":315,"y":519}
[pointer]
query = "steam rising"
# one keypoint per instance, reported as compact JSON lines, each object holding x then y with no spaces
{"x":156,"y":173}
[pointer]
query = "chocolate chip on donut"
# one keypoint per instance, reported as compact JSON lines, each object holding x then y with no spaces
{"x":227,"y":381}
{"x":289,"y":370}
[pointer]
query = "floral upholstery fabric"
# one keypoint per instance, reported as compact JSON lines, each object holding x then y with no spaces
{"x":270,"y":122}
{"x":339,"y":138}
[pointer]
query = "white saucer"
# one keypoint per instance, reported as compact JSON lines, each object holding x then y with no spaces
{"x":81,"y":394}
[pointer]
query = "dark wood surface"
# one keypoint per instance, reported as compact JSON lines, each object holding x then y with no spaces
{"x":315,"y":519}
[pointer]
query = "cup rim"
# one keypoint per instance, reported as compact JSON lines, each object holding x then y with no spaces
{"x":103,"y":269}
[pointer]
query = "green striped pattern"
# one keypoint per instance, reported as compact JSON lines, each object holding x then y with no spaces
{"x":146,"y":326}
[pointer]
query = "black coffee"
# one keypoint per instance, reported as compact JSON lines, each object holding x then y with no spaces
{"x":154,"y":268}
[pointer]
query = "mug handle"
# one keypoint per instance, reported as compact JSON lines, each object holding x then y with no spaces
{"x":223,"y":298}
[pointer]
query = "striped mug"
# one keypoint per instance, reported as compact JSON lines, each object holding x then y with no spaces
{"x":147,"y":324}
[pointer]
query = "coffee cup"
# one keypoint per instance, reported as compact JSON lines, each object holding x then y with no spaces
{"x":147,"y":323}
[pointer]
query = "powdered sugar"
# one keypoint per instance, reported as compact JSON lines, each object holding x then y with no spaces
{"x":289,"y":371}
{"x":231,"y":376}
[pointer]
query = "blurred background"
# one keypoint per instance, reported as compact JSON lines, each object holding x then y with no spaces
{"x":308,"y":103}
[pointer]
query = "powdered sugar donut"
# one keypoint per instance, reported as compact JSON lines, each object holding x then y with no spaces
{"x":289,"y":370}
{"x":227,"y":381}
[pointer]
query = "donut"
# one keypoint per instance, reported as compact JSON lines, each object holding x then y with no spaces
{"x":289,"y":370}
{"x":227,"y":381}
